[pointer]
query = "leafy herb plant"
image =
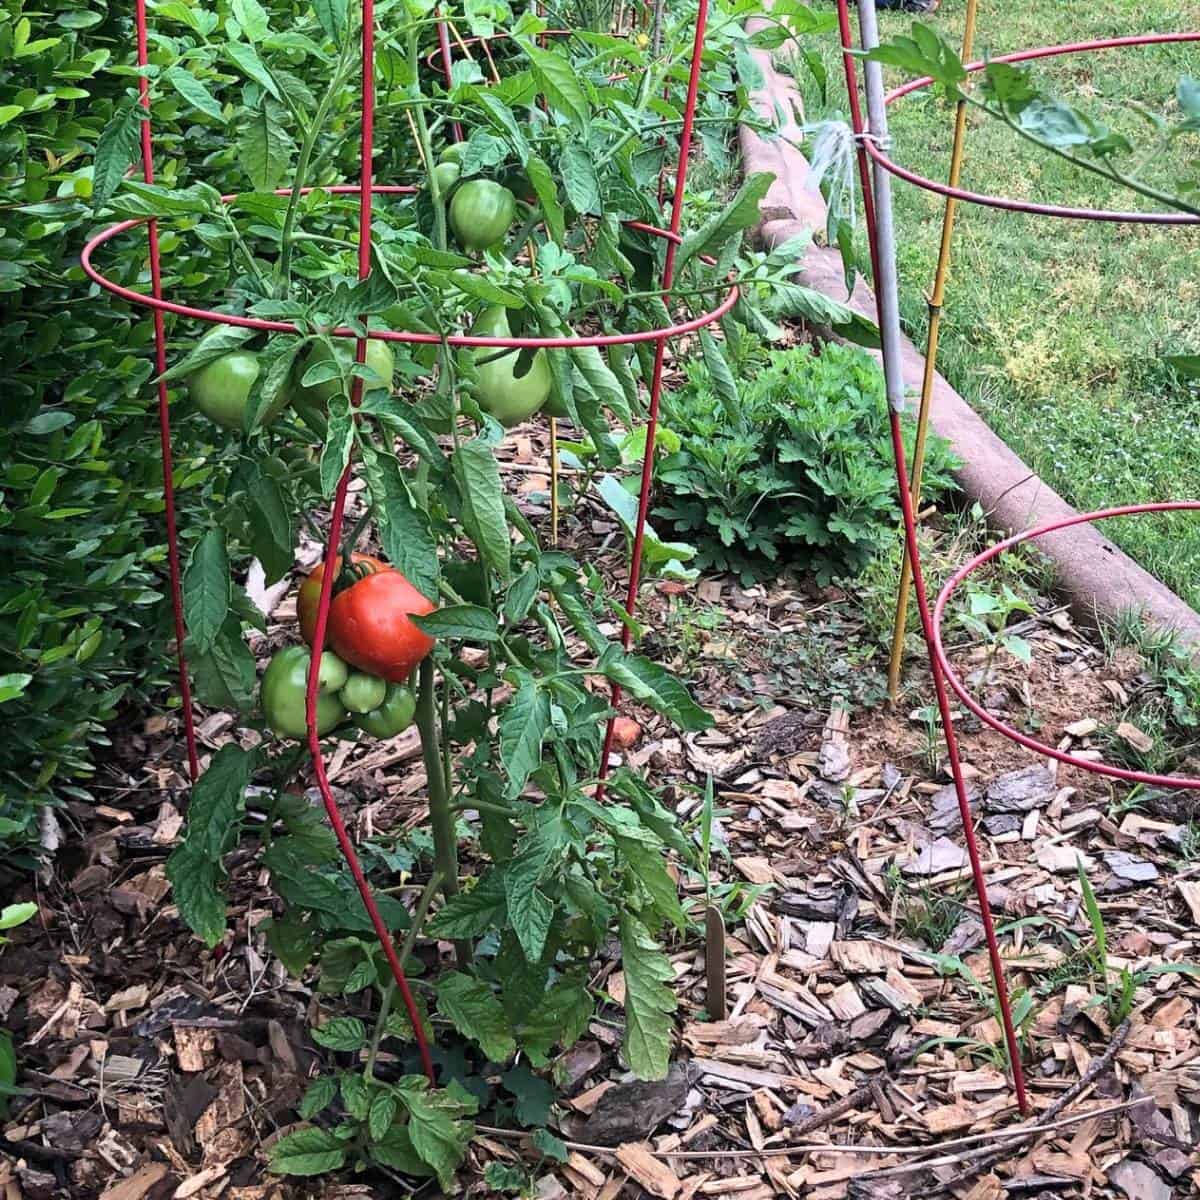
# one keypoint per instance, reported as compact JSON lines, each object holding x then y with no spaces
{"x":793,"y":466}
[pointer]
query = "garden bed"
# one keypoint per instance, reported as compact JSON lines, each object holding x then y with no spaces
{"x":857,"y":990}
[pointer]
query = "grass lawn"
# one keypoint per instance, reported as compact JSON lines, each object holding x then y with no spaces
{"x":1055,"y":329}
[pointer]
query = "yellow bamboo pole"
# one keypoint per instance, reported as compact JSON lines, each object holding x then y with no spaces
{"x":934,"y":302}
{"x":554,"y":472}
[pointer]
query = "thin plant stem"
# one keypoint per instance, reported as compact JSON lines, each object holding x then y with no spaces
{"x":406,"y":948}
{"x":441,"y":817}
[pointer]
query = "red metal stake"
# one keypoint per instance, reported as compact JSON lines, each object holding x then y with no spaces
{"x":331,"y":555}
{"x":656,"y":382}
{"x":888,"y":318}
{"x":164,"y":414}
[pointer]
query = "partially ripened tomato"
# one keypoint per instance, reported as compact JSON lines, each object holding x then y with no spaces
{"x":308,"y":598}
{"x":221,"y":389}
{"x":507,"y":396}
{"x":380,"y":359}
{"x":369,"y":625}
{"x":481,"y":213}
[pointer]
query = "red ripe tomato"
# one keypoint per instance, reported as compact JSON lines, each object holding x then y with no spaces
{"x":308,"y":598}
{"x":370,"y":629}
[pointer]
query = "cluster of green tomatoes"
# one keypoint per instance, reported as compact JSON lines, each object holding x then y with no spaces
{"x":481,"y":213}
{"x":374,"y":647}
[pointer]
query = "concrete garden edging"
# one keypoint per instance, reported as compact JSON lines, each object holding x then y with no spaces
{"x":1095,"y":577}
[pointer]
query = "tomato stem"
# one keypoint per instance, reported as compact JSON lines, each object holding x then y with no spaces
{"x":410,"y":940}
{"x":441,"y":816}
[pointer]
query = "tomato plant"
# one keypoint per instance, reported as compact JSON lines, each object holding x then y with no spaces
{"x":438,"y":573}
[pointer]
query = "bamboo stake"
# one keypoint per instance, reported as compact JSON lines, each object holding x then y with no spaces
{"x":934,"y":302}
{"x":554,"y":475}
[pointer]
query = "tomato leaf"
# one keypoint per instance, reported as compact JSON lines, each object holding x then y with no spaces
{"x":271,"y":533}
{"x":206,"y":590}
{"x":605,"y":386}
{"x":276,"y":371}
{"x":579,"y":180}
{"x":339,"y":441}
{"x":218,"y":342}
{"x":478,"y":476}
{"x":475,"y":1011}
{"x":436,"y":1135}
{"x":223,"y":676}
{"x":559,"y":1020}
{"x":472,"y":913}
{"x":265,"y":150}
{"x":466,"y":621}
{"x":246,"y":58}
{"x":646,"y":859}
{"x":332,"y":15}
{"x":542,"y":179}
{"x":341,"y":1033}
{"x":115,"y":149}
{"x":648,"y":1001}
{"x":558,"y":82}
{"x":403,"y":528}
{"x":654,"y":685}
{"x":307,"y":1152}
{"x":319,"y":1095}
{"x":533,"y":1094}
{"x":523,"y":725}
{"x":214,"y":819}
{"x":381,"y":1115}
{"x":529,"y":909}
{"x":738,"y":215}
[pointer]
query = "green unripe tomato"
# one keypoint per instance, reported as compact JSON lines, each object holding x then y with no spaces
{"x":446,"y":176}
{"x":453,"y":153}
{"x":333,"y":674}
{"x":380,"y":359}
{"x":362,"y":692}
{"x":284,"y":683}
{"x":221,"y":389}
{"x":391,"y":717}
{"x":508,"y":397}
{"x":481,"y":213}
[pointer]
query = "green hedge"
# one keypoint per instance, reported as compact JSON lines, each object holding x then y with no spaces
{"x":81,"y":531}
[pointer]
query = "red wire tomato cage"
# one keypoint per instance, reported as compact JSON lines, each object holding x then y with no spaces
{"x":874,"y":150}
{"x":366,"y":190}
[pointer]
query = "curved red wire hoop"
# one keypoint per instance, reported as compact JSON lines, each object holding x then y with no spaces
{"x":1027,"y":206}
{"x":162,"y":305}
{"x":988,"y":718}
